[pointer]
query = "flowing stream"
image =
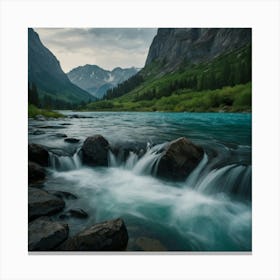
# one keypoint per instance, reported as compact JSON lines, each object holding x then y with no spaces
{"x":209,"y":211}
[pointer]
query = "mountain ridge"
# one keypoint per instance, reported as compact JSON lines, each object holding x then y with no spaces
{"x":45,"y":71}
{"x":96,"y":80}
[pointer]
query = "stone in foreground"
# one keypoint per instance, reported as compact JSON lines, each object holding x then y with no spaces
{"x":38,"y":154}
{"x":95,"y":151}
{"x":45,"y":235}
{"x":179,"y":158}
{"x":35,"y":172}
{"x":41,"y":203}
{"x":107,"y":236}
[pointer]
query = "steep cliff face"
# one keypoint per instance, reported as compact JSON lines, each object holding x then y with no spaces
{"x":175,"y":46}
{"x":44,"y":70}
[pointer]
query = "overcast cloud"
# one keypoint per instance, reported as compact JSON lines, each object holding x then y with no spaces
{"x":105,"y":47}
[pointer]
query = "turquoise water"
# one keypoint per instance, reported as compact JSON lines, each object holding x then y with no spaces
{"x":210,"y":211}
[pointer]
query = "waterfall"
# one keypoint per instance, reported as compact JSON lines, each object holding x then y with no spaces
{"x":194,"y":177}
{"x":65,"y":163}
{"x":112,"y":160}
{"x":232,"y":178}
{"x":131,"y":160}
{"x":149,"y":162}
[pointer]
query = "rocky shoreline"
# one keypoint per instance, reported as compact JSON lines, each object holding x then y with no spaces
{"x":178,"y":159}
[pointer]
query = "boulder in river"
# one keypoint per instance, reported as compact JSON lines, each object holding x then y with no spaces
{"x":107,"y":236}
{"x":179,"y":158}
{"x":41,"y":203}
{"x":95,"y":151}
{"x":45,"y":235}
{"x":35,"y":172}
{"x":38,"y":154}
{"x":74,"y":213}
{"x":71,"y":140}
{"x":60,"y":135}
{"x":62,"y":194}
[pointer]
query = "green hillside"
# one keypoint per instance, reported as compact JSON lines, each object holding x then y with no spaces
{"x":223,"y":83}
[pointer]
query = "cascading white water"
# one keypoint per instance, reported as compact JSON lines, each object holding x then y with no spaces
{"x":145,"y":165}
{"x":194,"y":177}
{"x":229,"y":179}
{"x":131,"y":160}
{"x":65,"y":163}
{"x":149,"y":162}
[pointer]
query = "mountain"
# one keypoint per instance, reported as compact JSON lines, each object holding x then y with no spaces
{"x":52,"y":83}
{"x":173,"y":47}
{"x":96,"y":80}
{"x":189,"y":69}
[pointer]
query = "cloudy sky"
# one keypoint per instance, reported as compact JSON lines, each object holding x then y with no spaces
{"x":105,"y":47}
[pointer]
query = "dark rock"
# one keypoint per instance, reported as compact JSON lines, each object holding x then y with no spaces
{"x":61,"y":135}
{"x":71,"y":140}
{"x":35,"y":172}
{"x":45,"y":235}
{"x":66,"y":124}
{"x":95,"y":151}
{"x":107,"y":236}
{"x":74,"y":213}
{"x":51,"y":126}
{"x":78,"y":213}
{"x":38,"y":132}
{"x":178,"y":159}
{"x":62,"y":194}
{"x":123,"y":150}
{"x":41,"y":203}
{"x":173,"y":47}
{"x":38,"y":154}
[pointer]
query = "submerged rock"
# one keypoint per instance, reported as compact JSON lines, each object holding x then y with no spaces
{"x":38,"y":132}
{"x":38,"y":154}
{"x":63,"y":194}
{"x":35,"y":172}
{"x":149,"y":244}
{"x":60,"y":135}
{"x":51,"y":126}
{"x":41,"y":203}
{"x":72,"y":140}
{"x":95,"y":151}
{"x":179,"y":158}
{"x":74,"y":213}
{"x":45,"y":235}
{"x":107,"y":236}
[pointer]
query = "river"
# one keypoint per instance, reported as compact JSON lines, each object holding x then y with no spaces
{"x":210,"y":211}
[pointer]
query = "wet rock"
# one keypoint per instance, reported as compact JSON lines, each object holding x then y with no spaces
{"x":35,"y":172}
{"x":62,"y":194}
{"x":41,"y":203}
{"x":123,"y":150}
{"x":95,"y":151}
{"x":66,"y":124}
{"x":51,"y":126}
{"x":71,"y":140}
{"x":74,"y":213}
{"x":60,"y":135}
{"x":45,"y":235}
{"x":61,"y":152}
{"x":38,"y":132}
{"x":38,"y":154}
{"x":149,"y":244}
{"x":179,"y":158}
{"x":107,"y":236}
